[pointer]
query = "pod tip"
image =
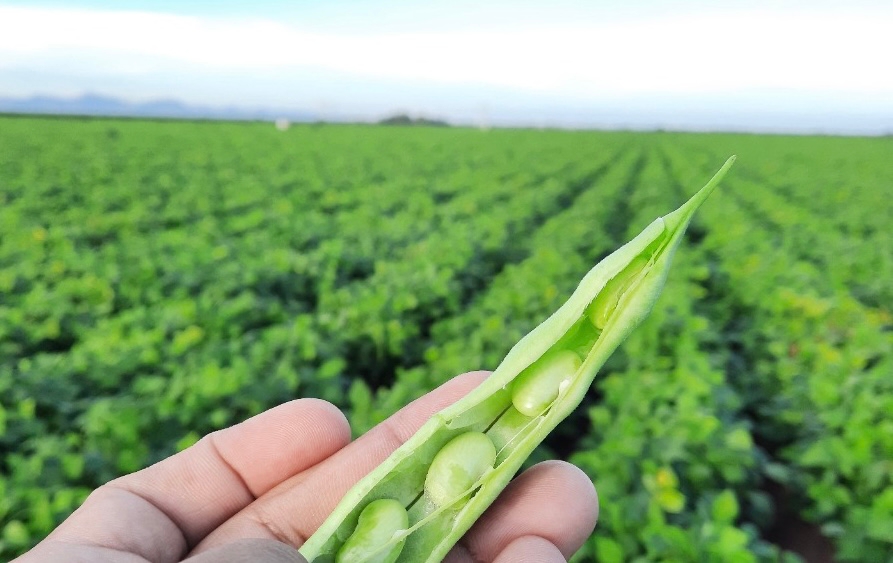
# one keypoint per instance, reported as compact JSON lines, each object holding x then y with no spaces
{"x":682,"y":216}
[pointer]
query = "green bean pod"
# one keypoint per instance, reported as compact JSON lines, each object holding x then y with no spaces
{"x":446,"y":475}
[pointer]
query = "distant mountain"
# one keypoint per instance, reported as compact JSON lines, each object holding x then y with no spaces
{"x":99,"y":105}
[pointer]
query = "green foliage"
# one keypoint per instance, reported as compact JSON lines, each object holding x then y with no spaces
{"x":162,"y":280}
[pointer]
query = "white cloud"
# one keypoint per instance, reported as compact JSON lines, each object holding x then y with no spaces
{"x":823,"y":53}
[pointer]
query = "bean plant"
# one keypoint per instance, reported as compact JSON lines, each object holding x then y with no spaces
{"x":418,"y":503}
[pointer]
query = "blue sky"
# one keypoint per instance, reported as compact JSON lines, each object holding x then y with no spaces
{"x":777,"y":65}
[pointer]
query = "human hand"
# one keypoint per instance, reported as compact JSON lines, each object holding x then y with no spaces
{"x":257,"y":490}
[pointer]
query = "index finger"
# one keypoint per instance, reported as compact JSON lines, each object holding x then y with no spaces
{"x":292,"y":511}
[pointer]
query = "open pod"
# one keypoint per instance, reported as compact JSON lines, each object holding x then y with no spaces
{"x":453,"y":468}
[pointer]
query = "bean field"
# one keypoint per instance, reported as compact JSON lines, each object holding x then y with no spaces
{"x":160,"y":280}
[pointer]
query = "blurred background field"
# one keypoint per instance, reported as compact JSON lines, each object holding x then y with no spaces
{"x":164,"y":279}
{"x":439,"y":177}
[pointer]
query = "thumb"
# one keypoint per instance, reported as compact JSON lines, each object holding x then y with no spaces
{"x":249,"y":551}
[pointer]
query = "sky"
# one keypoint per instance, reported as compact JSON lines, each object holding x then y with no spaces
{"x":779,"y":65}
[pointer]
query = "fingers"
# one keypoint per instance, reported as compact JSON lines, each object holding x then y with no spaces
{"x":318,"y":490}
{"x":530,"y":549}
{"x":554,"y":501}
{"x":164,"y":510}
{"x":250,"y":551}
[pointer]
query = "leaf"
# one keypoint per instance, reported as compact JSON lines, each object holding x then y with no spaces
{"x":670,"y":500}
{"x":725,"y":507}
{"x":608,"y":550}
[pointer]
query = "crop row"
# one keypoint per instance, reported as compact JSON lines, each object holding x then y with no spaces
{"x":811,"y":364}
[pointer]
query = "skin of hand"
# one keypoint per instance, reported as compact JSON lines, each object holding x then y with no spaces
{"x":257,"y":490}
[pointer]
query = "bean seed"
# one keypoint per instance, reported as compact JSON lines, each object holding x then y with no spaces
{"x":376,"y":526}
{"x":608,"y":298}
{"x":458,"y":466}
{"x":539,"y":385}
